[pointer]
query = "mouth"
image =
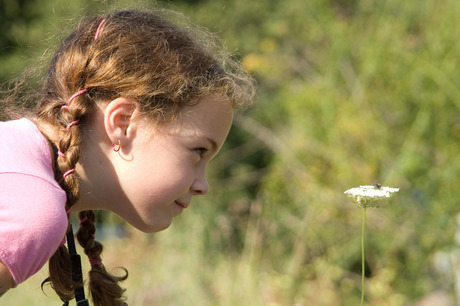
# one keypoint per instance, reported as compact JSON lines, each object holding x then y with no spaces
{"x":183,"y":205}
{"x":180,"y":207}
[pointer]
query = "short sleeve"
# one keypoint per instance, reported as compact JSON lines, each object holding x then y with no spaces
{"x":33,"y":222}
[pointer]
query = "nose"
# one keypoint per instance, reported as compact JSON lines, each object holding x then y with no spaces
{"x":200,"y":186}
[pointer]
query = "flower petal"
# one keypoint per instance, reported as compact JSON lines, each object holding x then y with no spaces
{"x":365,"y":195}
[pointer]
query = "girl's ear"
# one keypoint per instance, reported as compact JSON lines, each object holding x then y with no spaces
{"x":118,"y":119}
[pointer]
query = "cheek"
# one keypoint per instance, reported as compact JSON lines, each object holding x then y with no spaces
{"x":161,"y":182}
{"x":159,"y":171}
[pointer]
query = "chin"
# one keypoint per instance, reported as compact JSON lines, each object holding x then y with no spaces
{"x":154,"y":227}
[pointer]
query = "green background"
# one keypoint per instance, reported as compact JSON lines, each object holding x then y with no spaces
{"x":349,"y":93}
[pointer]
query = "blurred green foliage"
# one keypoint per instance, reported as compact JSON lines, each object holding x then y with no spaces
{"x":350,"y":92}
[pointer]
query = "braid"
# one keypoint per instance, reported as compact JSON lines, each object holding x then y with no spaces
{"x":102,"y":285}
{"x":68,"y":118}
{"x":69,"y":152}
{"x":68,"y":156}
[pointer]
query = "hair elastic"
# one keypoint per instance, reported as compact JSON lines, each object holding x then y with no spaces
{"x":99,"y":29}
{"x":94,"y":261}
{"x":61,"y":154}
{"x":73,"y":97}
{"x":68,"y":172}
{"x":71,"y":124}
{"x":83,"y":220}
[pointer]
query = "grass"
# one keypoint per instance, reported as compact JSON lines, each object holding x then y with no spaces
{"x":166,"y":268}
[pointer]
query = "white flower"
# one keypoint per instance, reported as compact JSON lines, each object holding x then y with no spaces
{"x":365,"y":196}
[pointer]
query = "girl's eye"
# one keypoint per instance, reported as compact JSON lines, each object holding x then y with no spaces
{"x":201,"y":151}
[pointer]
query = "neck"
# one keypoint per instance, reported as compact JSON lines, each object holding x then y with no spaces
{"x":87,"y":199}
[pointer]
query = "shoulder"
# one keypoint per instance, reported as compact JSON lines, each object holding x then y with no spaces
{"x":25,"y":150}
{"x":33,"y":222}
{"x":19,"y":132}
{"x":32,"y":202}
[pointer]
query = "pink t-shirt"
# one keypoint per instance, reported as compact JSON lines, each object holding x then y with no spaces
{"x":33,"y":220}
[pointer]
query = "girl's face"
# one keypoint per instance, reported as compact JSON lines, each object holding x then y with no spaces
{"x":166,"y":166}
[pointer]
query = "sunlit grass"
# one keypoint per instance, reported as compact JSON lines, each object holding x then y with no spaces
{"x":166,"y":268}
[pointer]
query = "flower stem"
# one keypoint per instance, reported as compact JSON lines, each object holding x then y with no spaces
{"x":362,"y":256}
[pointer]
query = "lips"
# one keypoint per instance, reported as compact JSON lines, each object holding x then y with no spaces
{"x":183,"y":205}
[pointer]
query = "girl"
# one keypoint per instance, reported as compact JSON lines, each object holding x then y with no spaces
{"x":132,"y":110}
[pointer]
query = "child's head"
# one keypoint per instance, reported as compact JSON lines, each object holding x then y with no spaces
{"x":168,"y":73}
{"x":156,"y":170}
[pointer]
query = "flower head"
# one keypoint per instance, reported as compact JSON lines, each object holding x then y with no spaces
{"x":365,"y":196}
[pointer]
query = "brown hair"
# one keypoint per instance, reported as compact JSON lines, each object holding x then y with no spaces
{"x":137,"y":55}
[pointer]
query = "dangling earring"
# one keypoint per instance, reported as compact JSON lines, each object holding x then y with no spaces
{"x":116,"y":148}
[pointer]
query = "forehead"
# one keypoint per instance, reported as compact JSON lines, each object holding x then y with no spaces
{"x":212,"y":117}
{"x":207,"y":107}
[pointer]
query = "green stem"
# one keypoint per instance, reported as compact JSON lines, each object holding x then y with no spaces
{"x":362,"y":256}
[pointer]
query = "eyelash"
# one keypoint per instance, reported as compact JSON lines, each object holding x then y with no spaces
{"x":201,"y":151}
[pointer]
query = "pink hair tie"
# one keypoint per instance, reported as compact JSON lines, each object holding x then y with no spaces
{"x":83,"y":220}
{"x":71,"y":124}
{"x":99,"y":29}
{"x":94,"y":261}
{"x":61,"y":154}
{"x":73,"y":97}
{"x":68,"y":172}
